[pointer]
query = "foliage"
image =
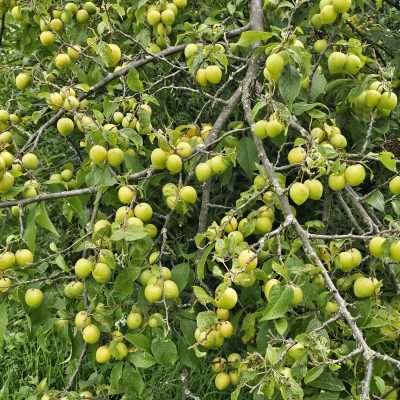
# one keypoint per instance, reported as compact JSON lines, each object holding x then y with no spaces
{"x":200,"y":199}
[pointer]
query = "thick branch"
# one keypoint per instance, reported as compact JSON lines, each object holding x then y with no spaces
{"x":34,"y":139}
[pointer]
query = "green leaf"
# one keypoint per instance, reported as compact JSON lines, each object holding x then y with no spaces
{"x":3,"y":322}
{"x":388,"y":160}
{"x":31,"y":229}
{"x":281,"y":325}
{"x":290,"y":84}
{"x":164,"y":351}
{"x":200,"y":267}
{"x":134,"y":82}
{"x":206,"y":319}
{"x":377,"y":200}
{"x":129,"y":235}
{"x":328,"y":381}
{"x":181,"y":275}
{"x":139,"y":340}
{"x":247,"y":156}
{"x":313,"y":374}
{"x":100,"y":176}
{"x":202,"y":296}
{"x":132,"y":381}
{"x":248,"y":38}
{"x":318,"y":84}
{"x":124,"y":283}
{"x":115,"y":378}
{"x":42,"y":219}
{"x":142,"y":359}
{"x":278,"y":303}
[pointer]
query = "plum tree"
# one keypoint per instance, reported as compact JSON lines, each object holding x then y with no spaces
{"x":199,"y":191}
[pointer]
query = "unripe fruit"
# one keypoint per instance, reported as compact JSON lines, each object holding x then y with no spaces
{"x":101,"y":272}
{"x":22,"y":80}
{"x":222,"y":381}
{"x":355,"y":175}
{"x":217,"y":164}
{"x":168,"y":17}
{"x":74,"y":289}
{"x":315,"y":189}
{"x":7,"y":157}
{"x":34,"y":298}
{"x":6,"y":182}
{"x":82,"y":320}
{"x":134,"y":320}
{"x":297,"y":155}
{"x":223,"y":314}
{"x":30,"y":161}
{"x":226,"y":329}
{"x":98,"y":154}
{"x":274,"y":128}
{"x":247,"y":260}
{"x":349,"y":259}
{"x":153,"y":16}
{"x":372,"y":98}
{"x":395,"y":250}
{"x":190,"y":50}
{"x":229,"y":223}
{"x":23,"y":257}
{"x":62,"y":60}
{"x":338,"y":141}
{"x":91,"y":334}
{"x":143,"y":211}
{"x":83,"y":268}
{"x":47,"y":38}
{"x":155,"y":320}
{"x":363,"y":287}
{"x":115,"y":157}
{"x":275,"y":64}
{"x":299,"y":193}
{"x":213,"y":74}
{"x":65,"y":126}
{"x":174,"y":164}
{"x":394,"y":185}
{"x":71,"y":7}
{"x":180,"y":3}
{"x":388,"y":101}
{"x":227,"y":299}
{"x":153,"y":293}
{"x":74,"y":53}
{"x":56,"y":25}
{"x":184,"y":149}
{"x":328,"y":15}
{"x":320,"y":45}
{"x":7,"y":260}
{"x":126,"y":194}
{"x":115,"y":55}
{"x":203,"y":172}
{"x":201,"y":77}
{"x":103,"y":354}
{"x":188,"y":194}
{"x":5,"y":284}
{"x":341,"y":6}
{"x":260,"y":129}
{"x":263,"y":225}
{"x":337,"y":182}
{"x":331,"y":307}
{"x":336,"y":62}
{"x":158,"y":158}
{"x":82,"y":16}
{"x":268,"y":287}
{"x":170,"y":290}
{"x":353,"y":64}
{"x":376,"y":246}
{"x":297,"y":352}
{"x":297,"y":295}
{"x":316,"y":20}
